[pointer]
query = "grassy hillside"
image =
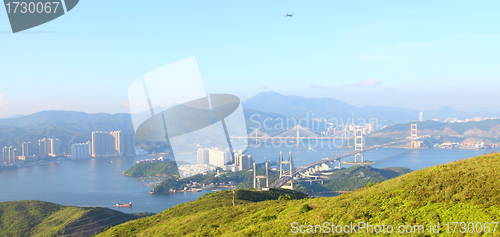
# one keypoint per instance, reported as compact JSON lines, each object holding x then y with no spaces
{"x":36,"y":218}
{"x":462,"y":191}
{"x":352,"y":178}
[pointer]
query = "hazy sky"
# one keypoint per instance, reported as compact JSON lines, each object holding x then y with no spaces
{"x":414,"y":54}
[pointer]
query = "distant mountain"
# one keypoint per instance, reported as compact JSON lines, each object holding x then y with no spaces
{"x":298,"y":107}
{"x":68,"y":126}
{"x":48,"y":118}
{"x":327,"y":108}
{"x":15,"y":116}
{"x":447,"y":112}
{"x":256,"y":119}
{"x":9,"y":135}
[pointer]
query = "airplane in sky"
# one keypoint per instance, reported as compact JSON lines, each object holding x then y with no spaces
{"x":289,"y":15}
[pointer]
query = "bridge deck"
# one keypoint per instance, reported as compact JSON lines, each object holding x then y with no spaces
{"x":283,"y":180}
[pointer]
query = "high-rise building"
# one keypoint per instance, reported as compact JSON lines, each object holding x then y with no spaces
{"x":108,"y":143}
{"x":421,"y":116}
{"x":55,"y":147}
{"x":80,"y":150}
{"x":128,"y":139}
{"x":218,"y":157}
{"x":118,"y":141}
{"x":12,"y":154}
{"x":48,"y":147}
{"x":203,"y":156}
{"x":26,"y":149}
{"x":5,"y":155}
{"x":44,"y":147}
{"x":102,"y":144}
{"x":243,"y":161}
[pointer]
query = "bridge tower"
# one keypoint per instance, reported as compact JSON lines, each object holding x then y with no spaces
{"x":285,"y":162}
{"x":256,"y":136}
{"x":358,"y":144}
{"x":257,"y":178}
{"x":338,"y":167}
{"x":414,"y":137}
{"x":288,"y":172}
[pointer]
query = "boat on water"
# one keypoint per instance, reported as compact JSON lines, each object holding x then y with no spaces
{"x":124,"y":205}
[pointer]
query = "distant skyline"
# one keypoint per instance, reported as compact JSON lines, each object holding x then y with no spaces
{"x":418,"y":55}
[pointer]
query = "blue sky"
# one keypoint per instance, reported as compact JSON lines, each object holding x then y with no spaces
{"x":414,"y":54}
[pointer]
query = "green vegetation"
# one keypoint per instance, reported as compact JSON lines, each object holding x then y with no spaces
{"x":352,"y":178}
{"x":36,"y":218}
{"x":286,"y":197}
{"x":167,"y":168}
{"x":463,"y":191}
{"x":305,"y":208}
{"x":243,"y":179}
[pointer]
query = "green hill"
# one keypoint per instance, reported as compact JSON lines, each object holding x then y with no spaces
{"x":37,"y":218}
{"x":463,"y":191}
{"x":352,"y":178}
{"x":167,"y":168}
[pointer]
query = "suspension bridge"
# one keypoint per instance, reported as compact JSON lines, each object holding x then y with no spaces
{"x":287,"y":175}
{"x":295,"y":134}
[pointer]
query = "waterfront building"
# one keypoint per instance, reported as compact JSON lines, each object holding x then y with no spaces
{"x":203,"y":156}
{"x":102,"y":144}
{"x":128,"y":139}
{"x":55,"y":147}
{"x":12,"y":154}
{"x":26,"y":149}
{"x":5,"y":155}
{"x":80,"y":151}
{"x":421,"y":116}
{"x":115,"y":143}
{"x":118,"y":141}
{"x":44,"y":147}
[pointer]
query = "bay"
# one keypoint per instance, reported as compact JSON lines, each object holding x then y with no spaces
{"x":99,"y":182}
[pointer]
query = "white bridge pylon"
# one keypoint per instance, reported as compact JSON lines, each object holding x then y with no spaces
{"x":288,"y":172}
{"x":358,"y":144}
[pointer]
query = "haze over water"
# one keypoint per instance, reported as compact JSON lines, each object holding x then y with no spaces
{"x":99,"y":182}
